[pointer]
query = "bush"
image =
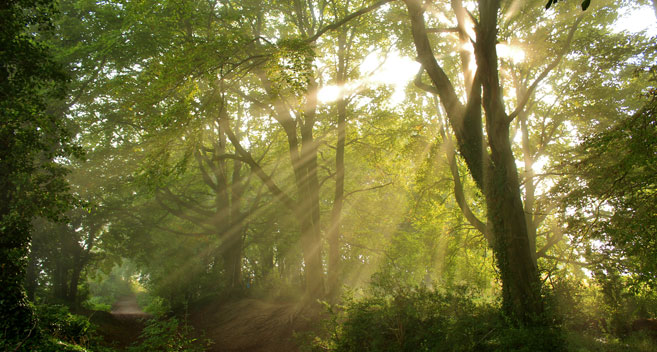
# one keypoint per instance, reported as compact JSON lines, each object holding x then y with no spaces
{"x":168,"y":334}
{"x":420,"y":319}
{"x":58,"y":322}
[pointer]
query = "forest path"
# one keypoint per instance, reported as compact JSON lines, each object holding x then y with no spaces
{"x":127,"y":307}
{"x":122,"y":326}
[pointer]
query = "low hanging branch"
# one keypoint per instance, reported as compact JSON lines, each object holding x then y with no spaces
{"x":336,"y":25}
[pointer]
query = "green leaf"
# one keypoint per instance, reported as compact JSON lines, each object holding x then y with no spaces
{"x":585,"y":4}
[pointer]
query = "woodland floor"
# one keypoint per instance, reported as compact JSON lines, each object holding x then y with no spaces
{"x":253,"y":325}
{"x":123,"y":324}
{"x":233,"y":325}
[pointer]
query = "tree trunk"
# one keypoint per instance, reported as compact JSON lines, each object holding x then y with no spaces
{"x":308,"y":186}
{"x":235,"y":233}
{"x":232,"y":257}
{"x":59,"y":280}
{"x":336,"y":213}
{"x":32,"y":277}
{"x":521,"y":286}
{"x":530,"y":188}
{"x":303,"y":156}
{"x":495,"y":173}
{"x":72,"y":296}
{"x":520,"y":282}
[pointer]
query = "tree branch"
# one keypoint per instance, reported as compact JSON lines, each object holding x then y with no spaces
{"x":337,"y":24}
{"x":182,"y":215}
{"x":443,"y":30}
{"x":204,"y":173}
{"x":553,"y":64}
{"x":366,"y":189}
{"x":187,"y":205}
{"x":444,"y":88}
{"x":460,"y":198}
{"x":248,"y":159}
{"x":553,"y":240}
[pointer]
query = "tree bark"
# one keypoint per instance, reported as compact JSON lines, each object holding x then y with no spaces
{"x":303,"y":156}
{"x":308,"y":196}
{"x":338,"y":199}
{"x":495,"y":173}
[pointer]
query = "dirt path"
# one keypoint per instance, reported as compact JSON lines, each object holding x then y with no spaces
{"x":127,"y":307}
{"x":122,"y":326}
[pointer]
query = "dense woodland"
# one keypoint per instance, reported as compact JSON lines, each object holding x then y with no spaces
{"x":321,"y":175}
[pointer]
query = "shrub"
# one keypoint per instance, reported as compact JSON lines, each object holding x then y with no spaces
{"x":58,"y":322}
{"x":421,"y":319}
{"x":168,"y":334}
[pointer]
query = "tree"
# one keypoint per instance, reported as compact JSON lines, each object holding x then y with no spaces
{"x":34,"y":145}
{"x":486,"y":123}
{"x":60,"y":254}
{"x":491,"y":165}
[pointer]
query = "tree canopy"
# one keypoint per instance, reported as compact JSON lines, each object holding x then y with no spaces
{"x":385,"y":155}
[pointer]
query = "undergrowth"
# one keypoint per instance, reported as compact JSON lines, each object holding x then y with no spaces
{"x":422,"y":319}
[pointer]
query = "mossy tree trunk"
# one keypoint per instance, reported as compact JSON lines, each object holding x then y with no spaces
{"x":489,"y":157}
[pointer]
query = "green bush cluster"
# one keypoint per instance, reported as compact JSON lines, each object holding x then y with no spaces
{"x":58,"y":322}
{"x":58,"y":330}
{"x":169,"y":334}
{"x":423,"y":319}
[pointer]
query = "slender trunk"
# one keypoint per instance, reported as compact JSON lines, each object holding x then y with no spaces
{"x":336,"y":212}
{"x":32,"y":278}
{"x":236,"y":230}
{"x":530,"y":187}
{"x":59,"y":280}
{"x":73,"y":285}
{"x":303,"y":156}
{"x":267,"y":259}
{"x":311,"y":237}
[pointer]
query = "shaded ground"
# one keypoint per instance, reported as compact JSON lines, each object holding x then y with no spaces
{"x":253,"y":325}
{"x":236,"y":325}
{"x":123,"y":325}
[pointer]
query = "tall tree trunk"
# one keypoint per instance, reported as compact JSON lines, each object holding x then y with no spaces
{"x":530,"y":187}
{"x":232,"y":257}
{"x":234,"y":235}
{"x":336,"y":213}
{"x":495,"y":173}
{"x":72,"y":297}
{"x":521,"y":287}
{"x":518,"y":272}
{"x":303,"y":156}
{"x":59,"y":280}
{"x":32,"y":277}
{"x":308,"y":186}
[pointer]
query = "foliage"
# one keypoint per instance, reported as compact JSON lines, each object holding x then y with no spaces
{"x":613,"y":194}
{"x":201,"y":121}
{"x":62,"y":331}
{"x":105,"y":289}
{"x":598,"y":316}
{"x":32,"y":137}
{"x":420,"y":319}
{"x":59,"y":323}
{"x":169,"y":334}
